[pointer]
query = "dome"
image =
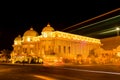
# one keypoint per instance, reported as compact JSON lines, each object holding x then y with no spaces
{"x":31,"y":32}
{"x":48,"y":28}
{"x":18,"y":38}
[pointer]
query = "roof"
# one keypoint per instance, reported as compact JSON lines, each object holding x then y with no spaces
{"x":48,"y":28}
{"x":110,"y":43}
{"x":18,"y":38}
{"x":31,"y":32}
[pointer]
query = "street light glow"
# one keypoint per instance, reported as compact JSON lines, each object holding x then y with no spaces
{"x":117,"y":29}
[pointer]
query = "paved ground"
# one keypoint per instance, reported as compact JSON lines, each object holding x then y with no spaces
{"x":66,"y":72}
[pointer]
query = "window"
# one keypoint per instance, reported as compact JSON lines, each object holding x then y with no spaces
{"x":59,"y":47}
{"x":28,"y":39}
{"x":69,"y":49}
{"x":25,"y":50}
{"x":64,"y":49}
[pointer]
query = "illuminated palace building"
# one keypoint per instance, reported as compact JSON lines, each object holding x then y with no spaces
{"x":52,"y":45}
{"x":69,"y":46}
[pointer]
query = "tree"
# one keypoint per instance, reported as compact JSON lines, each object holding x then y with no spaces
{"x":6,"y":54}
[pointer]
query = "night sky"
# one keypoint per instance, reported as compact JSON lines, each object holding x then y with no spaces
{"x":17,"y":17}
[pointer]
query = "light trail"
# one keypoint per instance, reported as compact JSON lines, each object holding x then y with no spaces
{"x":103,"y":72}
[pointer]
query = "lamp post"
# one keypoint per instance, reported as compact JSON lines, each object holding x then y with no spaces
{"x":117,"y":29}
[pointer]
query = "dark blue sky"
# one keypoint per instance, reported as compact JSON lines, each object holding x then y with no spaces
{"x":17,"y":17}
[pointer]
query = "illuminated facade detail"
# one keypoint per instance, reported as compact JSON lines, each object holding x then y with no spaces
{"x":51,"y":44}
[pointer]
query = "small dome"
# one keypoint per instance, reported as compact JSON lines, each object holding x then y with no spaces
{"x":31,"y":32}
{"x":48,"y":28}
{"x":18,"y":38}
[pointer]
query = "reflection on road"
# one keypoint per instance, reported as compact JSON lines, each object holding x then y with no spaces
{"x":43,"y":77}
{"x":5,"y":70}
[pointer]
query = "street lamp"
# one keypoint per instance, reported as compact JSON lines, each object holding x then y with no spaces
{"x":117,"y":29}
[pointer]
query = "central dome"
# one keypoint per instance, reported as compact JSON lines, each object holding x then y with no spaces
{"x":48,"y":28}
{"x":31,"y":32}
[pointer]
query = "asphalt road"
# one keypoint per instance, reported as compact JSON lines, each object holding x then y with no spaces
{"x":67,"y":72}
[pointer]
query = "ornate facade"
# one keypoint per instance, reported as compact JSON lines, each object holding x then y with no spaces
{"x":51,"y":44}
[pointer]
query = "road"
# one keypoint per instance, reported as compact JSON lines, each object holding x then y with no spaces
{"x":67,"y":72}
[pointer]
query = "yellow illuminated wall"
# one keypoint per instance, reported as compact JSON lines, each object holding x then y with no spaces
{"x":50,"y":44}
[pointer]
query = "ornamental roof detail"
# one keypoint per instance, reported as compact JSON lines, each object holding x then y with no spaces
{"x":18,"y":38}
{"x":48,"y":28}
{"x":31,"y":32}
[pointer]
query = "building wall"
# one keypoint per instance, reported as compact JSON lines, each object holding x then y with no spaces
{"x":53,"y":44}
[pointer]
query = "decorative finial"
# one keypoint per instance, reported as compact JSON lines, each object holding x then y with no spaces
{"x":31,"y":28}
{"x":19,"y":35}
{"x":48,"y":25}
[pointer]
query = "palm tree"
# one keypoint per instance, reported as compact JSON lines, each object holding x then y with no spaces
{"x":6,"y":54}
